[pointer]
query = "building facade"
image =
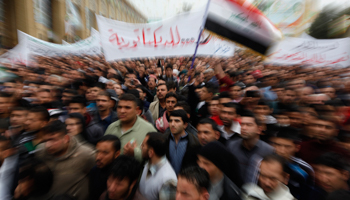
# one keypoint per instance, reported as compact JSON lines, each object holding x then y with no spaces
{"x":57,"y":20}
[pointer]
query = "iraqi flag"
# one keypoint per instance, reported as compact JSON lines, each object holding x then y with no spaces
{"x":240,"y":21}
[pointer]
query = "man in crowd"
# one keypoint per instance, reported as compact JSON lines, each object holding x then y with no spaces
{"x":18,"y":117}
{"x":107,"y":150}
{"x":158,"y":179}
{"x":69,"y":161}
{"x":208,"y":131}
{"x":104,"y":115}
{"x":130,"y":128}
{"x":271,"y":181}
{"x":158,"y":107}
{"x":121,"y":182}
{"x":218,"y":162}
{"x":193,"y":184}
{"x":170,"y":101}
{"x":231,"y":129}
{"x":94,"y":131}
{"x":181,"y":146}
{"x":332,"y":174}
{"x":249,"y":147}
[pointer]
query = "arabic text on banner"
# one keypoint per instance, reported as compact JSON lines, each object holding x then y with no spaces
{"x":334,"y":52}
{"x":171,"y":37}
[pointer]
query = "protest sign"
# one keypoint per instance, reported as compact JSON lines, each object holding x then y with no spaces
{"x":314,"y":52}
{"x":171,"y":37}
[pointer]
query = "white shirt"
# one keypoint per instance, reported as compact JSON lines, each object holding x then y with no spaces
{"x":235,"y":127}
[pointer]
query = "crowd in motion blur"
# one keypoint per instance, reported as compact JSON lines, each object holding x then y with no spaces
{"x":79,"y":128}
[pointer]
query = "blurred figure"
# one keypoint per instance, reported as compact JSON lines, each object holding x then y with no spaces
{"x":76,"y":127}
{"x":107,"y":150}
{"x":208,"y":131}
{"x":104,"y":116}
{"x":158,"y":107}
{"x":231,"y":129}
{"x":122,"y":179}
{"x":170,"y":102}
{"x":193,"y":184}
{"x":69,"y":161}
{"x":271,"y":181}
{"x":18,"y":117}
{"x":158,"y":179}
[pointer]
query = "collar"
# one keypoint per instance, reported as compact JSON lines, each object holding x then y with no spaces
{"x":154,"y":168}
{"x":257,"y":145}
{"x":182,"y":137}
{"x":235,"y":127}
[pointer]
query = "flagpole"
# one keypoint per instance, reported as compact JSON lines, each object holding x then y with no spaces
{"x":200,"y":34}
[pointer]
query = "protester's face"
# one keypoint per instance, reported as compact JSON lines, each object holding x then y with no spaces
{"x":214,"y":107}
{"x":227,"y":115}
{"x":118,"y":188}
{"x":145,"y":148}
{"x":151,"y":83}
{"x":177,"y":126}
{"x":289,"y":96}
{"x":56,"y":144}
{"x":208,"y":166}
{"x":76,"y":108}
{"x":188,"y":191}
{"x":9,"y":87}
{"x":279,"y":92}
{"x":161,"y":91}
{"x":127,"y":111}
{"x":207,"y":134}
{"x":105,"y":153}
{"x":142,"y":95}
{"x":328,"y":91}
{"x":94,"y":92}
{"x":324,"y":130}
{"x":74,"y":126}
{"x":235,"y":92}
{"x":18,"y":117}
{"x":205,"y":95}
{"x":248,"y":80}
{"x":118,"y":89}
{"x":284,"y":147}
{"x":249,"y":128}
{"x":283,"y":120}
{"x":159,"y":71}
{"x":66,"y":97}
{"x":271,"y":174}
{"x":330,"y":179}
{"x":34,"y":122}
{"x":170,"y":103}
{"x":44,"y":97}
{"x":168,"y":72}
{"x":262,"y":110}
{"x":103,"y":103}
{"x":295,"y":119}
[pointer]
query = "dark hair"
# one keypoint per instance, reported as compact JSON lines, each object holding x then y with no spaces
{"x":184,"y":105}
{"x":5,"y":94}
{"x":180,"y":113}
{"x":126,"y":167}
{"x":214,"y":126}
{"x":276,"y":158}
{"x":44,"y":90}
{"x":262,"y":103}
{"x":44,"y":114}
{"x":100,"y":85}
{"x":210,"y":87}
{"x":111,"y":138}
{"x":160,"y":84}
{"x":79,"y":99}
{"x":171,"y":94}
{"x":74,"y":92}
{"x":288,"y":133}
{"x":81,"y":119}
{"x":55,"y":127}
{"x":169,"y":66}
{"x":105,"y":93}
{"x":134,"y":92}
{"x":333,"y":160}
{"x":128,"y":97}
{"x":7,"y":141}
{"x":19,"y":109}
{"x":41,"y":175}
{"x":215,"y":98}
{"x":231,"y":105}
{"x":157,"y":142}
{"x":224,"y":95}
{"x":197,"y":176}
{"x":170,"y":85}
{"x":247,"y":113}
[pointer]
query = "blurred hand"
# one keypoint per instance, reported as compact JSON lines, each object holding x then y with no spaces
{"x":129,"y":148}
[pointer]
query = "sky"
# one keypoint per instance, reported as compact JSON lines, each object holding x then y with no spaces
{"x":160,"y":9}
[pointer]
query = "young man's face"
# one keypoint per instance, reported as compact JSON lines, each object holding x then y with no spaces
{"x":162,"y":91}
{"x":207,"y":134}
{"x":103,"y":103}
{"x":77,"y":108}
{"x":126,"y":110}
{"x":18,"y":117}
{"x":176,"y":125}
{"x":118,"y":188}
{"x":330,"y":179}
{"x":249,"y":128}
{"x":187,"y":191}
{"x":227,"y":115}
{"x":214,"y":108}
{"x":105,"y":153}
{"x":56,"y":143}
{"x":271,"y":174}
{"x":284,"y":147}
{"x":170,"y":103}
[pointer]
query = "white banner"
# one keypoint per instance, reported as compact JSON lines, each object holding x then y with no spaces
{"x":171,"y":37}
{"x":224,"y":48}
{"x":313,"y":52}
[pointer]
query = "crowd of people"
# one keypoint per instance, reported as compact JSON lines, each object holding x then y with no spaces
{"x":78,"y":127}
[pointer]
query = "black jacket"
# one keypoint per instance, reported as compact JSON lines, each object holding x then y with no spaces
{"x":190,"y":157}
{"x":231,"y":191}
